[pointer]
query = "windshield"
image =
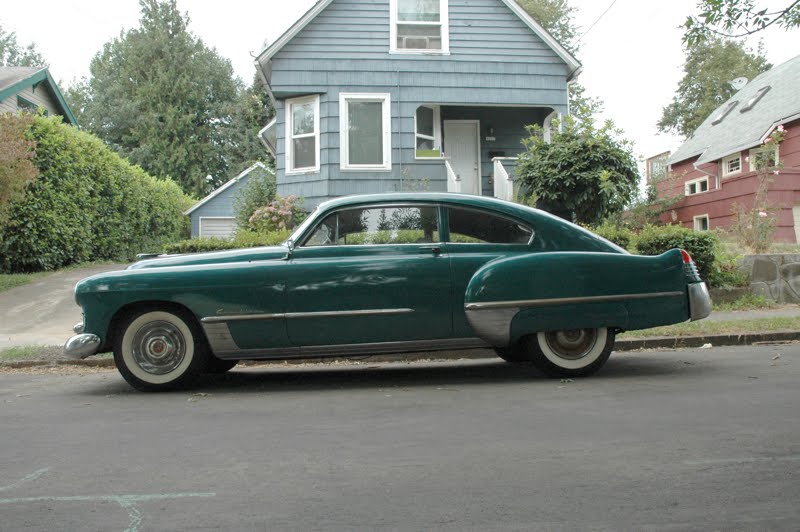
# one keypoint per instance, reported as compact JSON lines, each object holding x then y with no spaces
{"x":301,"y":228}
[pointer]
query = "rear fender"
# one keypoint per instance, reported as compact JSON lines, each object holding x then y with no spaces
{"x":513,"y":297}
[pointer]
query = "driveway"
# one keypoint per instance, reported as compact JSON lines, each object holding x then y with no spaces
{"x":43,"y":312}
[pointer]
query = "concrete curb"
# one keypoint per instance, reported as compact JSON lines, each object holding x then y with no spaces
{"x":633,"y":344}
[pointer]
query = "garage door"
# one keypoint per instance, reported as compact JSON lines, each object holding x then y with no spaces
{"x":217,"y":227}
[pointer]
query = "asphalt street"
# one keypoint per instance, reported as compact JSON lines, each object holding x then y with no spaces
{"x":705,"y":439}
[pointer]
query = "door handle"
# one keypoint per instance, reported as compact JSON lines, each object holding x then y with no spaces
{"x":436,"y":250}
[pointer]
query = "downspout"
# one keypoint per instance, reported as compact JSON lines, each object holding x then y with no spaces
{"x":717,"y":184}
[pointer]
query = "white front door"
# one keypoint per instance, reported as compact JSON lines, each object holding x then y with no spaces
{"x":462,"y":147}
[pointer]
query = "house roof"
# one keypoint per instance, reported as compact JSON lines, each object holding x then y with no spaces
{"x":268,"y":53}
{"x":742,"y":128}
{"x":224,"y":187}
{"x":15,"y":79}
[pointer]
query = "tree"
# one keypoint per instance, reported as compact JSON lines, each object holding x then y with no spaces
{"x":14,"y":54}
{"x":252,"y":111}
{"x":556,"y":16}
{"x":583,"y":174}
{"x":16,"y":159}
{"x":737,"y":18}
{"x":160,"y":97}
{"x":259,"y":192}
{"x":709,"y":68}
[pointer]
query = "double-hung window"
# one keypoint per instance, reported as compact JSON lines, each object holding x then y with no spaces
{"x":365,"y":132}
{"x":428,"y":132}
{"x":696,"y":186}
{"x":732,"y":165}
{"x":419,"y":26}
{"x":302,"y":135}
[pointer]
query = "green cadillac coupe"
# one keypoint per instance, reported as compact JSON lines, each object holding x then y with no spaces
{"x":390,"y":273}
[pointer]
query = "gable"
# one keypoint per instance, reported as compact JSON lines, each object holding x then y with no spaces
{"x":221,"y":199}
{"x":480,"y":30}
{"x":26,"y":81}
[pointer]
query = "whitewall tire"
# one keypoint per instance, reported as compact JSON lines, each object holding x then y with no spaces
{"x":159,"y":350}
{"x":569,"y":353}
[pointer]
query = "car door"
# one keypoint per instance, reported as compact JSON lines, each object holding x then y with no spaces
{"x":370,"y":275}
{"x":475,"y":237}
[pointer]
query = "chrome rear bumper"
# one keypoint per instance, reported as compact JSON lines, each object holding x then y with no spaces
{"x":699,"y":301}
{"x":82,"y":346}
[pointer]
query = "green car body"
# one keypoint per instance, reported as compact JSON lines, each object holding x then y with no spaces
{"x":384,"y":291}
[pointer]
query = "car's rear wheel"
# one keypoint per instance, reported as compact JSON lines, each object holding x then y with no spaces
{"x":158,"y":350}
{"x":568,"y":353}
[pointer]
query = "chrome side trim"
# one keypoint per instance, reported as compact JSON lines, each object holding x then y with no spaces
{"x":527,"y":303}
{"x":296,"y":315}
{"x":219,"y":337}
{"x":82,"y":346}
{"x":699,"y":301}
{"x":377,"y":348}
{"x":493,"y":325}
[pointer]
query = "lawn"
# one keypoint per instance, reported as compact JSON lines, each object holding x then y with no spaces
{"x":708,"y":327}
{"x":11,"y":280}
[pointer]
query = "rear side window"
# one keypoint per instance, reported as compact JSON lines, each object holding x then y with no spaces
{"x":469,"y":226}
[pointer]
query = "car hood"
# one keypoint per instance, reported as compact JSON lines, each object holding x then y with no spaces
{"x":214,"y":257}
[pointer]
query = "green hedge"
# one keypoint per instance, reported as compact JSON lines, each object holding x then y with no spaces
{"x":621,"y":236}
{"x":243,"y":239}
{"x":86,"y":204}
{"x":701,"y":245}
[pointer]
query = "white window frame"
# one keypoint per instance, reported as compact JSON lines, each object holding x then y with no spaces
{"x":344,"y":138}
{"x":444,"y":22}
{"x":697,"y":224}
{"x":726,"y":162}
{"x":688,"y":184}
{"x":289,"y":115}
{"x":437,"y":132}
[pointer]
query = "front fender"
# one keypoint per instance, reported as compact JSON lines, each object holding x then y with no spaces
{"x":513,"y":297}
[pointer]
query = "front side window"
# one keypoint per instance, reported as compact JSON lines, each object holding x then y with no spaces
{"x":377,"y":226}
{"x":419,"y":26}
{"x":302,"y":135}
{"x":478,"y":227}
{"x":428,"y":132}
{"x":365,"y":133}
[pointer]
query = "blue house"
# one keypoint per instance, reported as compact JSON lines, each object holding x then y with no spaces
{"x":213,"y":216}
{"x":382,"y":95}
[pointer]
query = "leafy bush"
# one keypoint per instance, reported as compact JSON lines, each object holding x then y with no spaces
{"x":701,"y":245}
{"x":259,"y":191}
{"x":86,"y":203}
{"x":621,"y":236}
{"x":243,"y":239}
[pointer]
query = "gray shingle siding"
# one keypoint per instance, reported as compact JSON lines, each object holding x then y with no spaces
{"x":495,"y":60}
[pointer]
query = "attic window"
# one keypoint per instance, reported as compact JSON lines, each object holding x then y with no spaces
{"x":755,"y":99}
{"x":419,"y":26}
{"x":725,"y":111}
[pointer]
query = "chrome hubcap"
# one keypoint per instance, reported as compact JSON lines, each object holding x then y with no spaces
{"x":572,"y":344}
{"x":158,"y":347}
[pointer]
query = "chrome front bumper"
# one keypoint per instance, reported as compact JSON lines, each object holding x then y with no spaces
{"x":699,"y":301}
{"x":82,"y":346}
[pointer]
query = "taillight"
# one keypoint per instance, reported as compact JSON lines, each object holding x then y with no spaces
{"x":689,"y":267}
{"x":687,"y":259}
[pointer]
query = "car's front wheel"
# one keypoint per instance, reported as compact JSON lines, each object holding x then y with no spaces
{"x":567,"y":353}
{"x":157,"y":350}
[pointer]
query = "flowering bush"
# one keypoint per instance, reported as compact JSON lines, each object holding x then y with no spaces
{"x":280,"y":214}
{"x":754,"y":228}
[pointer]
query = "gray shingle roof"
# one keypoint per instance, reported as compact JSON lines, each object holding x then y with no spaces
{"x":741,"y":130}
{"x":11,"y":75}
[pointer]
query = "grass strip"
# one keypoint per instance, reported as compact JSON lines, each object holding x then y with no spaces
{"x":704,"y":327}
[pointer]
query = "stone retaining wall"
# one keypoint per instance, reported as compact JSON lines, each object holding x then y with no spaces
{"x":775,"y":277}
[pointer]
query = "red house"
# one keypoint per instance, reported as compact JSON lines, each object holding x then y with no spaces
{"x":714,"y":168}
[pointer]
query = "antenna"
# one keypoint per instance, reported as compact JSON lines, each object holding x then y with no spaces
{"x":739,"y":83}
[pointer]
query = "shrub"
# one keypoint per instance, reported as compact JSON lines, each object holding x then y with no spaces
{"x":243,"y":239}
{"x":701,"y":245}
{"x":280,"y":214}
{"x":259,"y":191}
{"x":86,"y":203}
{"x":621,"y":236}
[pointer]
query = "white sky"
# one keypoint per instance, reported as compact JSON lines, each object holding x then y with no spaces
{"x":632,"y":57}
